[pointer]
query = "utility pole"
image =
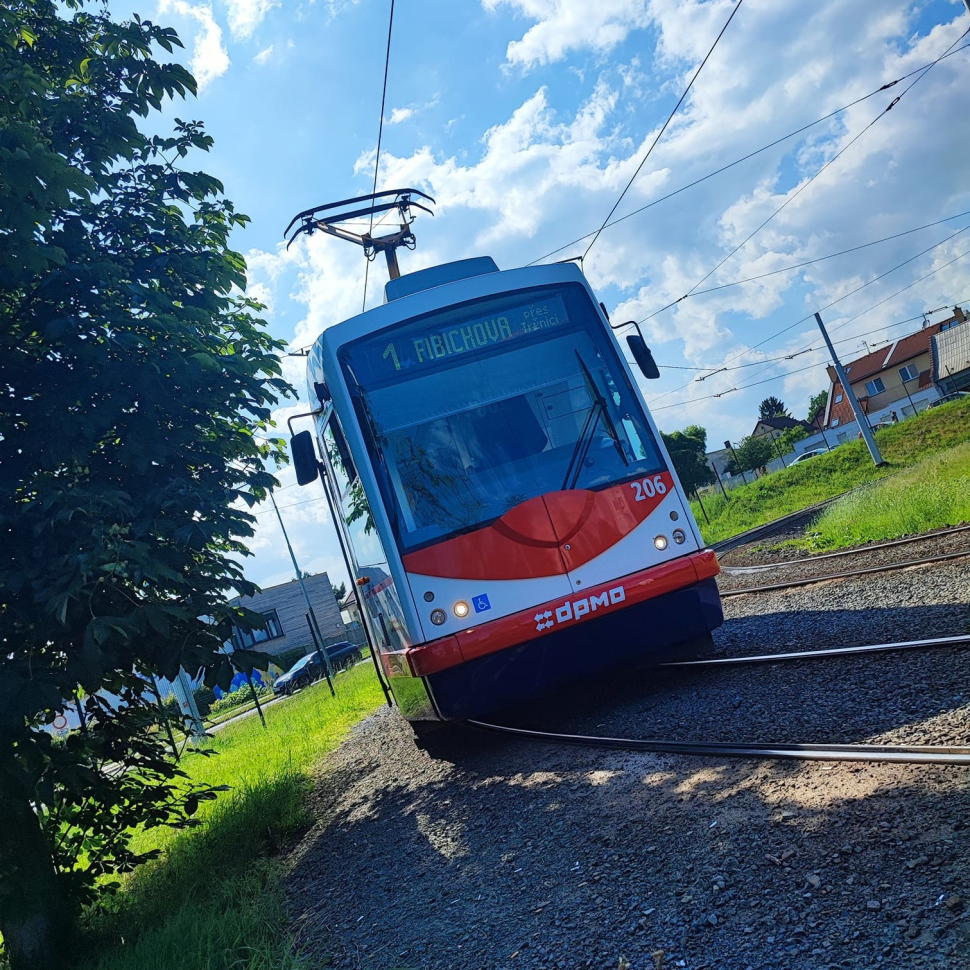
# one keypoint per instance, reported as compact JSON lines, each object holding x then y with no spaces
{"x":847,"y":388}
{"x":306,"y":596}
{"x":697,"y":495}
{"x":718,"y":477}
{"x":737,"y":464}
{"x":774,"y":441}
{"x":911,"y":404}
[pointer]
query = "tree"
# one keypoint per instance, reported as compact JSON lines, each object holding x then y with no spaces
{"x":134,"y":378}
{"x":340,"y":591}
{"x":786,"y":440}
{"x":771,"y":407}
{"x":816,"y":404}
{"x":753,"y":452}
{"x":688,"y":452}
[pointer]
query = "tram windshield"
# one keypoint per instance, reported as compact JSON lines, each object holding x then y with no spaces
{"x":476,"y":409}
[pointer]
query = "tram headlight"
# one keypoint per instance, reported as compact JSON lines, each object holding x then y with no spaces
{"x":679,"y":537}
{"x":438,"y":617}
{"x":461,"y":609}
{"x":660,"y":542}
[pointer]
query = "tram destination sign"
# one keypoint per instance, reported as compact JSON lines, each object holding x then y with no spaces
{"x":415,"y":349}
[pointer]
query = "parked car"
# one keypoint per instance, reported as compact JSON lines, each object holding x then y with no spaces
{"x":949,"y":398}
{"x":880,"y":425}
{"x":310,"y":668}
{"x":809,"y":454}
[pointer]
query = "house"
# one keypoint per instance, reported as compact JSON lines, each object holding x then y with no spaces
{"x":775,"y":427}
{"x":951,"y":354}
{"x":897,"y":378}
{"x":285,"y":610}
{"x":349,"y":612}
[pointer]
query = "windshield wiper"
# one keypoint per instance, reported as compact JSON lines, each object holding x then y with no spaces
{"x":585,"y":438}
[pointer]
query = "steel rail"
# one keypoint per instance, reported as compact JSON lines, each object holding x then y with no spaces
{"x":869,"y":570}
{"x":957,"y":641}
{"x":888,"y":753}
{"x":877,"y":753}
{"x":923,"y":537}
{"x":766,"y":529}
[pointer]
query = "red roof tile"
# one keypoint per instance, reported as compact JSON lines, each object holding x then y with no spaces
{"x":906,"y":348}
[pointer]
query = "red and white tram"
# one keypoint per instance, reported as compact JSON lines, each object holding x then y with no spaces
{"x":511,"y":515}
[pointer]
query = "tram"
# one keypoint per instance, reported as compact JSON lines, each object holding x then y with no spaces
{"x":510,"y":516}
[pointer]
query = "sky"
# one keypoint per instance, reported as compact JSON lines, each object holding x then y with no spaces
{"x":525,"y":119}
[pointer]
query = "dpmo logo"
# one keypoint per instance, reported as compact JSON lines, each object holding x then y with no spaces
{"x":573,"y":610}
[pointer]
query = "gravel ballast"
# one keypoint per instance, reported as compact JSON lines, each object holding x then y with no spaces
{"x":520,"y":854}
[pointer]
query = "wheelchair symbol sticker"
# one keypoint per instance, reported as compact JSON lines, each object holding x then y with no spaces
{"x":481,"y":603}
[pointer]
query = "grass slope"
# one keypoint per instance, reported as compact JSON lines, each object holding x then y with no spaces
{"x":932,"y":494}
{"x":826,"y":476}
{"x":214,"y":901}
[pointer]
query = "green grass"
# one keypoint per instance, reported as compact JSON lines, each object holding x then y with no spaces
{"x":214,"y":900}
{"x":842,"y":469}
{"x":932,"y":494}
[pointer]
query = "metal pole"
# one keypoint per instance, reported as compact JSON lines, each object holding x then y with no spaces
{"x":316,"y":643}
{"x":774,"y":441}
{"x":727,"y":444}
{"x":299,"y":576}
{"x":911,"y":404}
{"x":324,"y":481}
{"x":697,"y":495}
{"x":847,"y":388}
{"x":718,"y":477}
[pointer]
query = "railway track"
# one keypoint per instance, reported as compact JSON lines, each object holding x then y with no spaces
{"x":760,"y":531}
{"x":882,"y":753}
{"x":848,"y":574}
{"x":857,"y":550}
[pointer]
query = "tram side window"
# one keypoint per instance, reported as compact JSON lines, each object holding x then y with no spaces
{"x":339,"y":457}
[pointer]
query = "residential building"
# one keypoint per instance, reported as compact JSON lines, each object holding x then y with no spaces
{"x":285,"y":610}
{"x":897,"y":378}
{"x":349,"y":611}
{"x":951,"y":355}
{"x":775,"y":427}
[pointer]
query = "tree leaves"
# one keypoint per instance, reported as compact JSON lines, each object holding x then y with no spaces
{"x":134,"y":379}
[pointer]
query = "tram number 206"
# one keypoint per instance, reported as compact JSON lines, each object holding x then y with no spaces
{"x":648,"y":488}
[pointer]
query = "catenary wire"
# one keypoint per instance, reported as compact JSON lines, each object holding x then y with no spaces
{"x":778,"y":377}
{"x":809,"y":181}
{"x":670,"y":118}
{"x":380,"y":133}
{"x":797,"y":353}
{"x":738,"y":161}
{"x":822,"y":259}
{"x":874,"y":306}
{"x":827,"y":306}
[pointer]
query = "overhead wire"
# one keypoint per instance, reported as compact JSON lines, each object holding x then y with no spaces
{"x":805,"y":185}
{"x":778,"y":377}
{"x":861,"y":313}
{"x":832,"y":303}
{"x":663,"y":128}
{"x":744,"y":158}
{"x":380,"y":133}
{"x":821,"y":259}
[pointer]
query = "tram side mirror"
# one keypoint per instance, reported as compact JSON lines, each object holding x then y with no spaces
{"x":643,"y":357}
{"x":304,"y":457}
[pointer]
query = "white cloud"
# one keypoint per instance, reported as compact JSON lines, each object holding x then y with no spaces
{"x":566,"y":25}
{"x":400,"y":114}
{"x":209,"y":59}
{"x":246,"y":15}
{"x":264,"y":55}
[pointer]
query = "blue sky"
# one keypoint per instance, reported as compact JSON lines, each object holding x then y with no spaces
{"x":525,"y":119}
